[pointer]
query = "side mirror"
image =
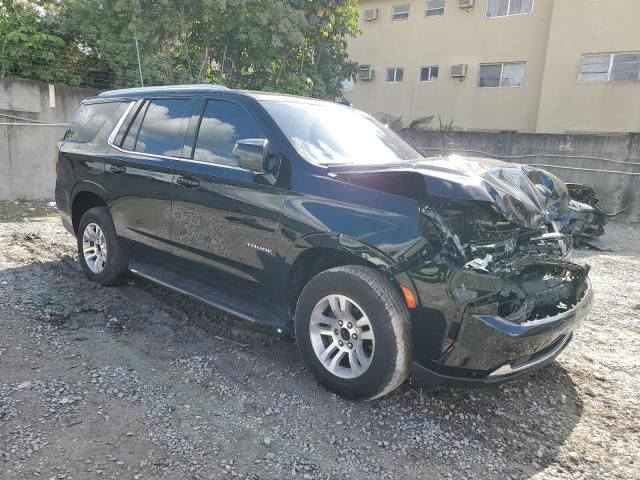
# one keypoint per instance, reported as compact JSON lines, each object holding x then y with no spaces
{"x":252,"y":154}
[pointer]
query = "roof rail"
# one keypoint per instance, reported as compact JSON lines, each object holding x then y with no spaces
{"x":163,"y":88}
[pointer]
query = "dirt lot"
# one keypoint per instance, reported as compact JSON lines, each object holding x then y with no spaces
{"x":139,"y":382}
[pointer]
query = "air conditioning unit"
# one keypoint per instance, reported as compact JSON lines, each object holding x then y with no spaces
{"x":365,"y":72}
{"x":459,"y":71}
{"x":370,"y":14}
{"x":466,"y":3}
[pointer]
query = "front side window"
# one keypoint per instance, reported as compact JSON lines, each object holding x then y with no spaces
{"x":328,"y":133}
{"x":434,"y":8}
{"x":158,"y":128}
{"x":395,"y":74}
{"x":400,"y":12}
{"x":502,"y":75}
{"x":610,"y":67}
{"x":429,"y":74}
{"x":91,"y":117}
{"x":504,"y":8}
{"x":222,"y":125}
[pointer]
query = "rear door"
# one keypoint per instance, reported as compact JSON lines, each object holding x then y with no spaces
{"x":225,"y":217}
{"x":139,"y":171}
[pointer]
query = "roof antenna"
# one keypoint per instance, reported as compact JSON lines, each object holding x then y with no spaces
{"x":139,"y":66}
{"x":345,"y":101}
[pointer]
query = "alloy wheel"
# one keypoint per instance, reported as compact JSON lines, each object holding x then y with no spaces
{"x":94,"y":247}
{"x":342,"y":336}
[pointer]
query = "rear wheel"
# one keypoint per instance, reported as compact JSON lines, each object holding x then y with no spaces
{"x":99,"y":249}
{"x":353,"y":332}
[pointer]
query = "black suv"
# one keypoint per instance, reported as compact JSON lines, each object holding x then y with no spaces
{"x":311,"y":217}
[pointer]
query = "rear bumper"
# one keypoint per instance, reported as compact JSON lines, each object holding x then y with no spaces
{"x":66,"y":222}
{"x":490,"y":350}
{"x":62,"y":203}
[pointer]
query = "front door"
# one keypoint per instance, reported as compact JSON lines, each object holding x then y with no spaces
{"x":225,"y":218}
{"x":139,"y":171}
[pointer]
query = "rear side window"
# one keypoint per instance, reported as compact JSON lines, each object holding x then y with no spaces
{"x":222,"y":125}
{"x":159,"y":128}
{"x":91,"y":117}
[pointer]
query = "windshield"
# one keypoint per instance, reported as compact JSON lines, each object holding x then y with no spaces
{"x":328,"y":133}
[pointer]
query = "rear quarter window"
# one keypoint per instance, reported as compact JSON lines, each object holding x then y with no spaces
{"x":91,"y":118}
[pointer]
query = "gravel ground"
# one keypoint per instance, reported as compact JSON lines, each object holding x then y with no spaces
{"x":139,"y":382}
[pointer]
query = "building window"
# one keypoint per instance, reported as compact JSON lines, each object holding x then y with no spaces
{"x":395,"y":75}
{"x":504,"y":8}
{"x":502,"y":75}
{"x":429,"y":74}
{"x":434,"y":8}
{"x":400,"y":12}
{"x":610,"y":67}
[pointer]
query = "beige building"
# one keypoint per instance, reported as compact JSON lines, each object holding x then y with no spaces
{"x":549,"y":66}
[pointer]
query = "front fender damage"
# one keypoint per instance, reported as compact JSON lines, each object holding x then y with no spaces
{"x":499,"y":268}
{"x":490,"y":234}
{"x":585,"y":220}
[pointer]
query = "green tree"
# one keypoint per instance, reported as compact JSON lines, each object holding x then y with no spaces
{"x":294,"y":46}
{"x":104,"y":33}
{"x":27,"y":47}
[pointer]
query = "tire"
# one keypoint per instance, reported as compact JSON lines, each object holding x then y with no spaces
{"x":113,"y":266}
{"x":379,"y":358}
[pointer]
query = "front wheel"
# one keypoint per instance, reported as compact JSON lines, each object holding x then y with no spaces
{"x":101,"y":255}
{"x":353,"y":332}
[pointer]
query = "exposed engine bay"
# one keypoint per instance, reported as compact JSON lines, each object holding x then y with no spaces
{"x":496,"y":225}
{"x":518,"y":273}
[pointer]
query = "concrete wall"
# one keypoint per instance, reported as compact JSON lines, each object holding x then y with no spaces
{"x":27,"y":152}
{"x":551,"y":40}
{"x":608,"y":163}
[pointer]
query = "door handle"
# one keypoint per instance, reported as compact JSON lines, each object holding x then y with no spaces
{"x":117,"y":170}
{"x":186,"y":182}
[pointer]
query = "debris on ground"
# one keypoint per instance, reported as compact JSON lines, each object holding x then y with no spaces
{"x":113,"y":325}
{"x":585,"y":220}
{"x":165,"y":399}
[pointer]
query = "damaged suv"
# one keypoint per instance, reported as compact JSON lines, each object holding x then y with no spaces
{"x":311,"y":217}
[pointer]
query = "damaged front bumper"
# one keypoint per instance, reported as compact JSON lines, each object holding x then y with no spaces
{"x":493,"y":350}
{"x":485,"y":340}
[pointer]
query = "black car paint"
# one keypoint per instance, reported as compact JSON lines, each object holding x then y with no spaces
{"x":248,"y":233}
{"x":225,"y":199}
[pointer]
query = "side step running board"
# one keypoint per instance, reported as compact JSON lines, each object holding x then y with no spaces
{"x":247,"y":309}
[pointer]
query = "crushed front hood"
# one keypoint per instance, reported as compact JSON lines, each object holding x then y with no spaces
{"x":522,"y":194}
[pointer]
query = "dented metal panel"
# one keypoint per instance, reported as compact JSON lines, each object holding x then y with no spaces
{"x":584,"y":220}
{"x":524,"y":195}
